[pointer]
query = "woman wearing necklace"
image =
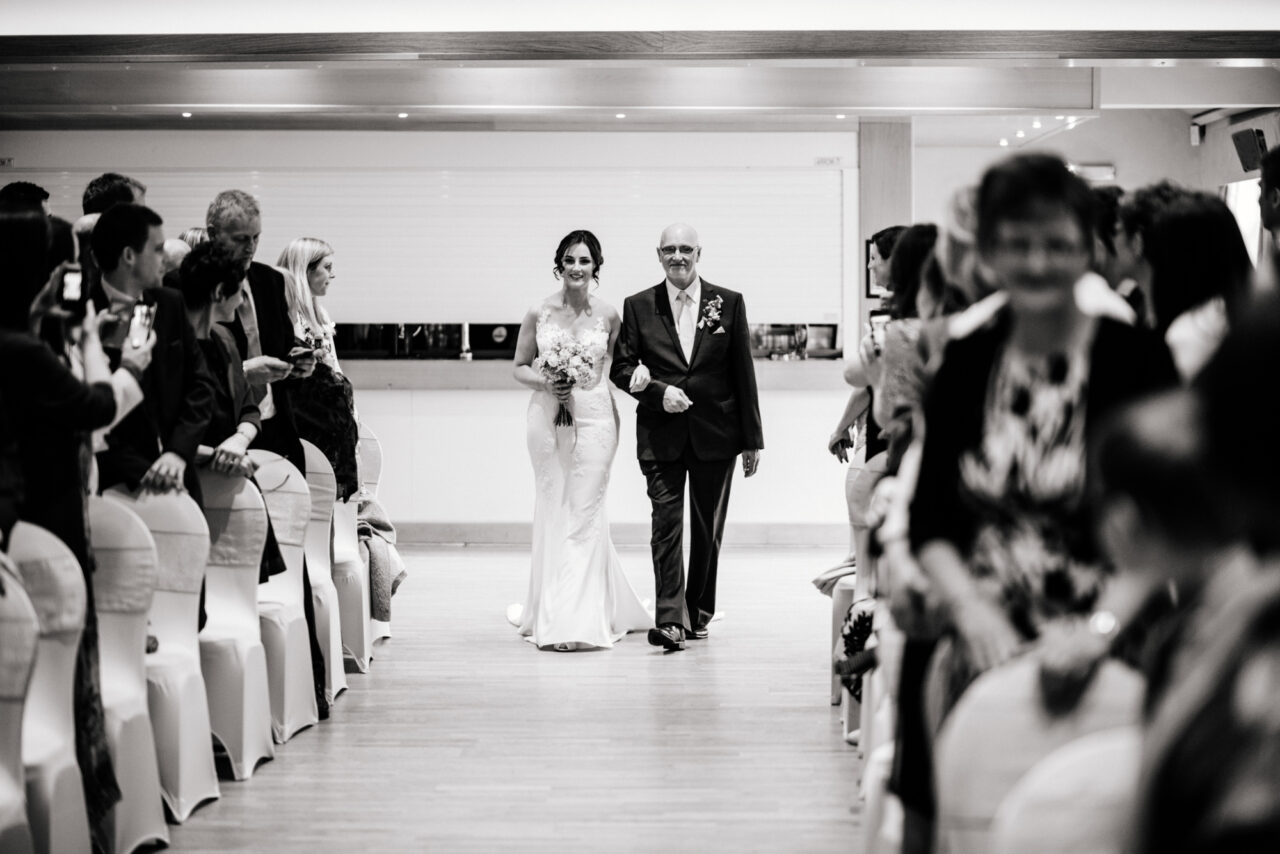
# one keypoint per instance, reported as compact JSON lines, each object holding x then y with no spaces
{"x":579,"y":597}
{"x":1000,"y":521}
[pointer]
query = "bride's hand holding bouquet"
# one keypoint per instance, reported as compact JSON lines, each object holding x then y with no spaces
{"x":565,"y":364}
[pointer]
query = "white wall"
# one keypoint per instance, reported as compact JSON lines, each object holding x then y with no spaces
{"x":1144,"y":146}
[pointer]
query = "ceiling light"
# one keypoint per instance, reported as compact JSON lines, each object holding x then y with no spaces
{"x":839,"y":115}
{"x":1036,"y":124}
{"x":1020,"y":134}
{"x":1059,"y":118}
{"x":620,"y":115}
{"x":1071,"y":119}
{"x":1004,"y":143}
{"x":402,"y":115}
{"x":186,"y":115}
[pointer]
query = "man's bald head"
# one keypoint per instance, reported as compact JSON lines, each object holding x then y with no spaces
{"x":678,"y":252}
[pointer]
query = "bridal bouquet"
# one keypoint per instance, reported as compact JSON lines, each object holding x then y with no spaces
{"x":568,"y":360}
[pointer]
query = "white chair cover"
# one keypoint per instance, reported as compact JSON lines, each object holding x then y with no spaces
{"x":1078,"y":798}
{"x":370,"y":461}
{"x":124,"y":582}
{"x":55,"y":795}
{"x":351,"y":580}
{"x":280,"y":605}
{"x":19,"y":634}
{"x":370,"y":476}
{"x":324,"y":596}
{"x":232,"y":658}
{"x":175,"y":684}
{"x":999,"y":729}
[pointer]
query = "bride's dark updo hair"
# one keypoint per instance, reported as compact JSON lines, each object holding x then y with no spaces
{"x":587,"y":239}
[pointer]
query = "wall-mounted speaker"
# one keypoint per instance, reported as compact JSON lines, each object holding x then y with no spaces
{"x":1250,"y":146}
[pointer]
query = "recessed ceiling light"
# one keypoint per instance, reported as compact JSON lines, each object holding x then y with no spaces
{"x":1071,"y":119}
{"x":1020,"y":134}
{"x":1036,"y":124}
{"x":839,"y":115}
{"x":186,"y":115}
{"x":402,"y":115}
{"x":620,"y":115}
{"x":1004,"y":143}
{"x":1059,"y":118}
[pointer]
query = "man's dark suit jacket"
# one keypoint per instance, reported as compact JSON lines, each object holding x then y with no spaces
{"x":720,"y":378}
{"x":178,"y":401}
{"x":275,"y":334}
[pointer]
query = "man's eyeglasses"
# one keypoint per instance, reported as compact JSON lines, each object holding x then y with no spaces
{"x":683,"y":250}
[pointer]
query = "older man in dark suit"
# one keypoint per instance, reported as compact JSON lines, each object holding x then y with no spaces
{"x":698,"y":412}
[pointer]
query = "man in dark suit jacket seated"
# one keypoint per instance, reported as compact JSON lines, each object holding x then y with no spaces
{"x":262,"y":329}
{"x":154,"y":446}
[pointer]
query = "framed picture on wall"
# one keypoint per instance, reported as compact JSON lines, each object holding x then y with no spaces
{"x":874,"y":289}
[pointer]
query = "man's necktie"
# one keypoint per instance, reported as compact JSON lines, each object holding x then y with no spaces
{"x":684,"y":324}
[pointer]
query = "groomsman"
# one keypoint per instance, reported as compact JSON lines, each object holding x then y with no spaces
{"x":698,"y":412}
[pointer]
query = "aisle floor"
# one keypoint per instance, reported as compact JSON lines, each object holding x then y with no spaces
{"x":464,"y":737}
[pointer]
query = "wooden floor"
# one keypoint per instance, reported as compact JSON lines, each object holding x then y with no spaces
{"x":466,"y":738}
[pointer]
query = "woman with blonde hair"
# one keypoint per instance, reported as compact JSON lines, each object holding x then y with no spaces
{"x":324,"y":411}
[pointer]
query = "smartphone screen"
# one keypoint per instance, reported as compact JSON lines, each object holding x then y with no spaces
{"x":71,"y":289}
{"x":140,"y":324}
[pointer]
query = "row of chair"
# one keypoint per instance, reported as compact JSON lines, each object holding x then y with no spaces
{"x":245,"y":679}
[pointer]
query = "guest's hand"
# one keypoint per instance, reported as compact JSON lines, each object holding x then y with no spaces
{"x":987,"y":635}
{"x":304,"y":362}
{"x":839,"y":445}
{"x":229,"y":456}
{"x":639,"y":379}
{"x":165,"y":474}
{"x":750,"y":462}
{"x":675,"y":400}
{"x":137,"y":357}
{"x":1069,"y":656}
{"x":261,"y":370}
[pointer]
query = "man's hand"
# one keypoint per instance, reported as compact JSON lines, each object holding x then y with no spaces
{"x":138,"y":357}
{"x":750,"y":462}
{"x":165,"y":474}
{"x":229,"y":456}
{"x":675,"y":400}
{"x":261,"y":370}
{"x":304,"y":362}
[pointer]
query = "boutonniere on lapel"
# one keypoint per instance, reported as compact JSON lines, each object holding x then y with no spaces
{"x":711,"y":315}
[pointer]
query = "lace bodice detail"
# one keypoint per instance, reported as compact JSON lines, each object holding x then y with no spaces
{"x":595,"y":337}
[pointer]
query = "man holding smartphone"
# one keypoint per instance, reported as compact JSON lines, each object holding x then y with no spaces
{"x":153,"y":447}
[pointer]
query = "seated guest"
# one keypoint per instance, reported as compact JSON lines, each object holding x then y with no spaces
{"x":1201,"y":276}
{"x":323,"y":403}
{"x":47,"y":414}
{"x":999,"y":521}
{"x":112,"y":188}
{"x":154,"y":446}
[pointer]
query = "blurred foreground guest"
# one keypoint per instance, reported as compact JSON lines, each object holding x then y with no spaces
{"x":999,"y":521}
{"x":48,"y":413}
{"x":1201,"y":276}
{"x":152,"y":448}
{"x":324,"y":402}
{"x":62,"y":245}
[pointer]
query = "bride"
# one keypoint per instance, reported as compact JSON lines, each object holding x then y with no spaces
{"x":578,"y":596}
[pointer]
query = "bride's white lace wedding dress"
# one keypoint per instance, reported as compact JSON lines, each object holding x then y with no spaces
{"x":578,"y":595}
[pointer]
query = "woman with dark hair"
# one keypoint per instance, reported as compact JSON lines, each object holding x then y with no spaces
{"x":1200,"y":276}
{"x":999,"y":521}
{"x":579,"y":597}
{"x":49,"y":413}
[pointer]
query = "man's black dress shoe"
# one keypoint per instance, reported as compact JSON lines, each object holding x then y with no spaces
{"x":698,"y":633}
{"x":670,"y":638}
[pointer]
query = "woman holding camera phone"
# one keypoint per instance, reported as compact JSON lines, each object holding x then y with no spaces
{"x":49,"y":411}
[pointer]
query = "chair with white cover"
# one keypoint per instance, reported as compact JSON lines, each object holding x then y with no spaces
{"x":351,"y":581}
{"x":175,"y":684}
{"x":370,"y":461}
{"x":55,"y":794}
{"x":370,"y":475}
{"x":232,"y":658}
{"x":1078,"y":798}
{"x":324,"y":595}
{"x":19,"y":634}
{"x":124,"y":581}
{"x":999,"y":729}
{"x":280,"y":604}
